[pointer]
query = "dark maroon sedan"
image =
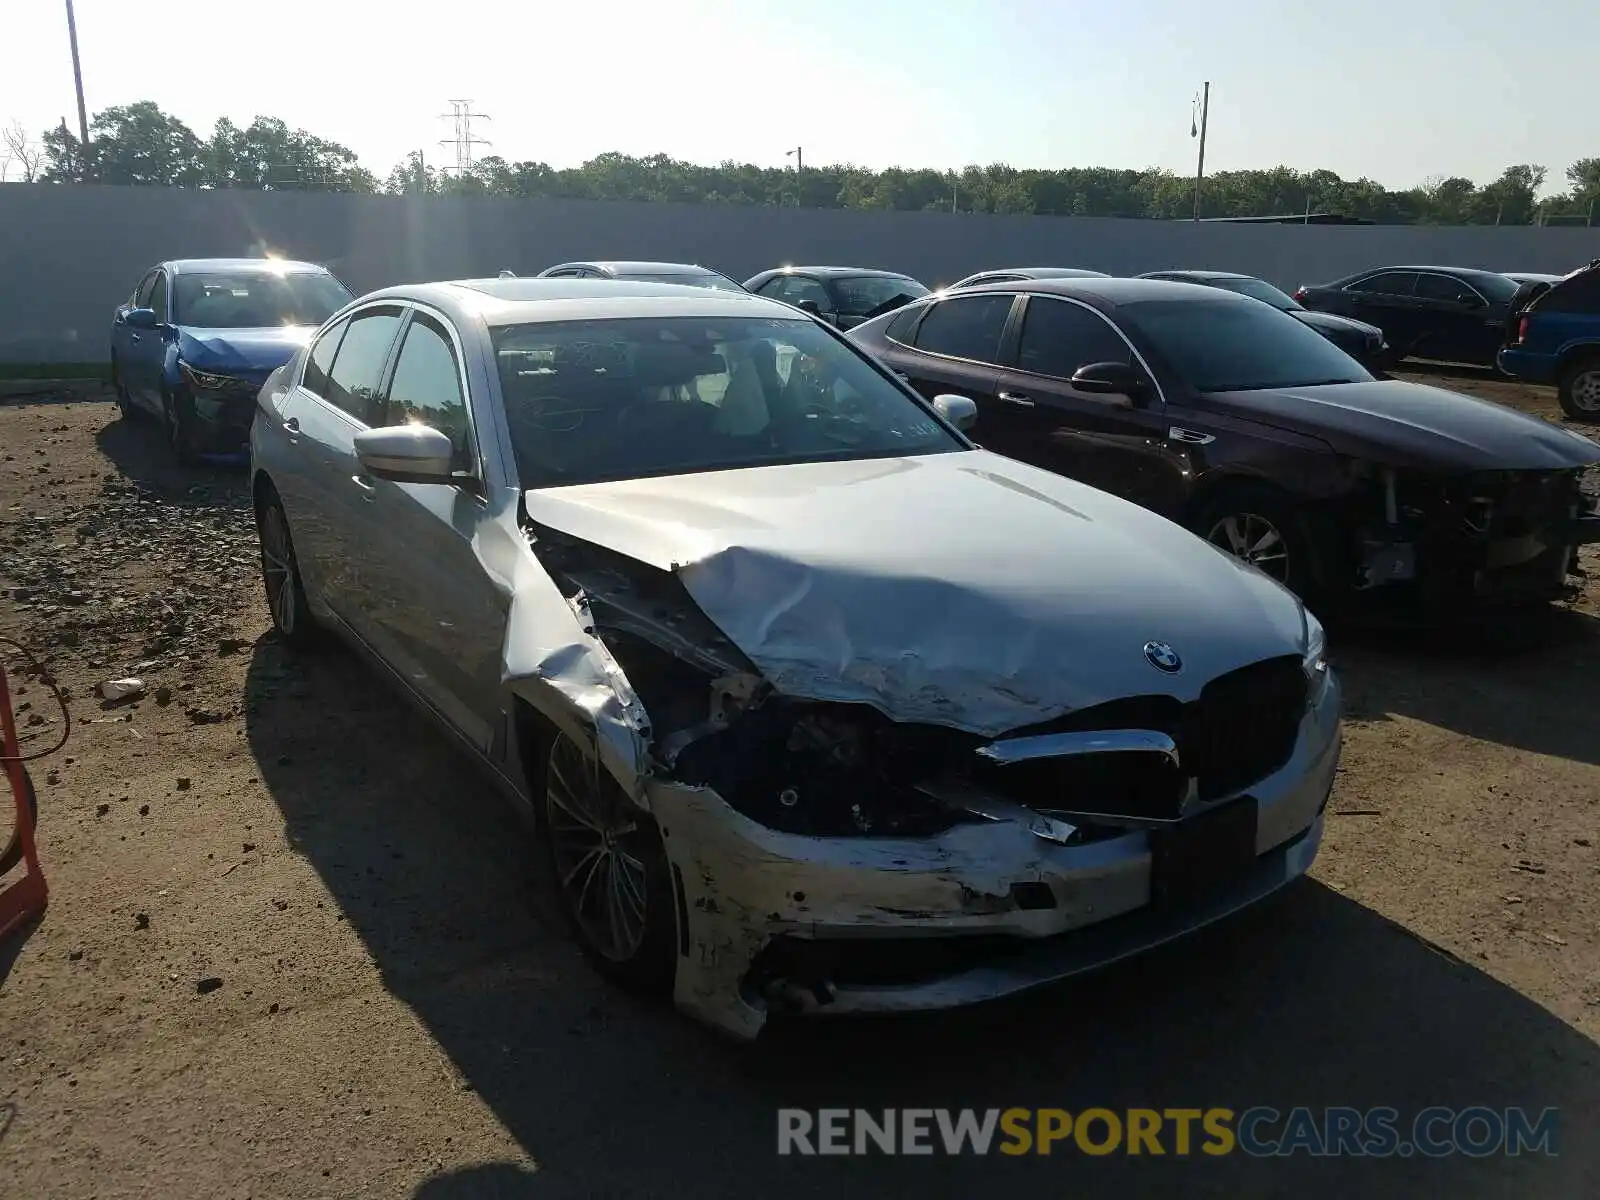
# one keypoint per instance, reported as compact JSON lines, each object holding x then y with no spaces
{"x":1259,"y":434}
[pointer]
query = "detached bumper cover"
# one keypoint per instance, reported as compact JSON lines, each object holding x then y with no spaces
{"x":745,"y":888}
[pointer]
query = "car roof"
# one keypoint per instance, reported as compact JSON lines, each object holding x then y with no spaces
{"x":1187,"y":274}
{"x":640,"y":268}
{"x":1043,"y":272}
{"x":1111,"y":290}
{"x":180,"y":266}
{"x":1463,"y":272}
{"x":835,"y":272}
{"x":515,"y":300}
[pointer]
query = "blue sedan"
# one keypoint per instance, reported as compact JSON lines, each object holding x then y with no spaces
{"x":198,"y":337}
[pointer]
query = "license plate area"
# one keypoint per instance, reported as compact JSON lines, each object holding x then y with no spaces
{"x":1201,"y":854}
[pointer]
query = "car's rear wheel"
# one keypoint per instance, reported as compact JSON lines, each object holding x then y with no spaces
{"x":611,"y":869}
{"x":280,"y":573}
{"x":1579,"y":389}
{"x":1260,"y":526}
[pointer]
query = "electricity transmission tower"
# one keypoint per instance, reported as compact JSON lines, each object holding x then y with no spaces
{"x":462,"y":116}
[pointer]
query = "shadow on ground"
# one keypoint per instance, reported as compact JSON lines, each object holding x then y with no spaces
{"x":140,"y":453}
{"x":1528,"y":679}
{"x":1309,"y":1000}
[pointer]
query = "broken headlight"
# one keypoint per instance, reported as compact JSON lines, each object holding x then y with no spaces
{"x":1314,"y":659}
{"x":825,"y":770}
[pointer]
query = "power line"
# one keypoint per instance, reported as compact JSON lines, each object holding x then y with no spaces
{"x":462,"y":116}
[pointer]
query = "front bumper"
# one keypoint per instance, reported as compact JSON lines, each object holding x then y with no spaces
{"x":221,"y":416}
{"x":981,"y":911}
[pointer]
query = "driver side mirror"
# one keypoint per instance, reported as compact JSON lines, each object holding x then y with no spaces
{"x":407,"y":454}
{"x":1109,"y":379}
{"x":141,"y":318}
{"x":957,"y":410}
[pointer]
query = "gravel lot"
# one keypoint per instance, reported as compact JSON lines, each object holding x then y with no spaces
{"x":295,"y":949}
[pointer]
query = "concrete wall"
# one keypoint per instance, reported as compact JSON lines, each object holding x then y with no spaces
{"x":69,"y":255}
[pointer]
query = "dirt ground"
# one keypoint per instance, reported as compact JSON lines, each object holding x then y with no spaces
{"x":294,"y":948}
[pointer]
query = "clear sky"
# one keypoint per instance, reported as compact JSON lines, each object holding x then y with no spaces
{"x":1398,"y":90}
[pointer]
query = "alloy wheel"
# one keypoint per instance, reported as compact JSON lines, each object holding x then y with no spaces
{"x":1254,"y":539}
{"x":595,"y":842}
{"x":1586,"y":390}
{"x":278,"y":570}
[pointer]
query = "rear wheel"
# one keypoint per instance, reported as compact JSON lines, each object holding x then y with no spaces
{"x":611,"y":869}
{"x":1260,"y":526}
{"x":280,"y":574}
{"x":1579,"y":389}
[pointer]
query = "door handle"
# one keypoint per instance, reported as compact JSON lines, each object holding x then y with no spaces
{"x":291,"y":425}
{"x":1189,"y":436}
{"x":364,"y":483}
{"x":133,"y":337}
{"x":1016,"y":398}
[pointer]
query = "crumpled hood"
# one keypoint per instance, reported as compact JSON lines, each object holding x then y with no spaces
{"x":1402,"y":424}
{"x":244,"y":350}
{"x":959,"y":589}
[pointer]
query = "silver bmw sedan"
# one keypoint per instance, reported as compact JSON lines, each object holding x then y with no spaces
{"x":816,"y":706}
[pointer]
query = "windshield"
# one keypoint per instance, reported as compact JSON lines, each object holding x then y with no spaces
{"x":705,"y":279}
{"x":1224,"y":346}
{"x":256,"y":299}
{"x":588,"y":401}
{"x":1260,"y":289}
{"x":864,"y":295}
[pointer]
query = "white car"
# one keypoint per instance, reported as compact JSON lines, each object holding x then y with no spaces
{"x":817,"y":706}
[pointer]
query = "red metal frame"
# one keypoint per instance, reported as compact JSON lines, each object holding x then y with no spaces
{"x":28,"y":896}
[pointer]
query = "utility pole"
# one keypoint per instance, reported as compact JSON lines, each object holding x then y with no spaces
{"x":798,"y":154}
{"x":1200,"y":168}
{"x":422,"y":174}
{"x":83,"y":113}
{"x":462,"y":115}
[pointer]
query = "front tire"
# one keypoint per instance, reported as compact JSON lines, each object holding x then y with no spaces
{"x":280,"y":575}
{"x":1261,"y":526}
{"x":125,"y":405}
{"x":1579,"y":389}
{"x":610,"y":868}
{"x":180,"y":431}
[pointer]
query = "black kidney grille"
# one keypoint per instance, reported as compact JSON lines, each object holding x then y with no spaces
{"x":1241,"y":730}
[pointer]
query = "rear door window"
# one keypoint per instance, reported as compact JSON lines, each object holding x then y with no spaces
{"x":321,"y":358}
{"x":966,"y":327}
{"x":1386,"y":283}
{"x":358,"y":366}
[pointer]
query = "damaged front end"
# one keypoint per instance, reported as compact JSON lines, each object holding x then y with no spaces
{"x":827,"y":858}
{"x":1481,"y":537}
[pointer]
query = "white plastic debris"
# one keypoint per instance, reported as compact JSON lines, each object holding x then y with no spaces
{"x":121,"y":689}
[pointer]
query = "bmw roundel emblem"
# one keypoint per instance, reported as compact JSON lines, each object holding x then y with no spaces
{"x":1163,"y":657}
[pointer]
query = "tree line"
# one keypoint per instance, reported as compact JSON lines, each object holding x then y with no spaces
{"x":142,"y":145}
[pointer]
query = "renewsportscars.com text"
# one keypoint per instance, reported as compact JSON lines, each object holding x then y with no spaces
{"x":1259,"y":1132}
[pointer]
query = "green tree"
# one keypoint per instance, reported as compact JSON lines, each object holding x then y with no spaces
{"x":129,"y":143}
{"x":268,"y":155}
